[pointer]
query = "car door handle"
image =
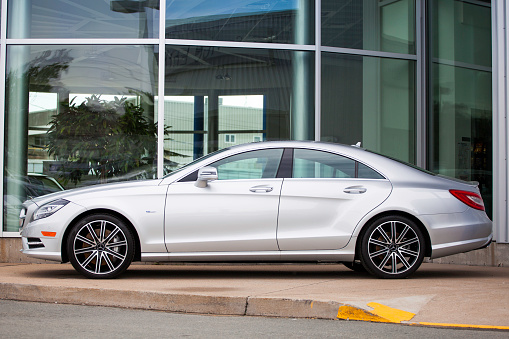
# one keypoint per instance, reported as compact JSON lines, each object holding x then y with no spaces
{"x":261,"y":189}
{"x":355,"y":190}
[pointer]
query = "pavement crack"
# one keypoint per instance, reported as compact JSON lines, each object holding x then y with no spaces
{"x":247,"y":304}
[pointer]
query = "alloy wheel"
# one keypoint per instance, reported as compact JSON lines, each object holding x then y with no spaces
{"x":101,"y":247}
{"x":393,"y":248}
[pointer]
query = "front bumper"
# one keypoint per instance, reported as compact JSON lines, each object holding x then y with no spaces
{"x":36,"y":242}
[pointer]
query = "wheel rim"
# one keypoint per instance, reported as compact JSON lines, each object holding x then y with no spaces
{"x":100,"y":247}
{"x":394,"y":247}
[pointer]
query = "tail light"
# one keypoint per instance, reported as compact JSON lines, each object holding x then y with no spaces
{"x":471,"y":199}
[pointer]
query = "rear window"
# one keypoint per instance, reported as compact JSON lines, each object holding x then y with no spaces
{"x":403,"y":162}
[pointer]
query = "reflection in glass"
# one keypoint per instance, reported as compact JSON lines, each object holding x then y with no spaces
{"x":461,"y":32}
{"x":371,"y":100}
{"x":217,"y":97}
{"x":250,"y":165}
{"x":121,"y":19}
{"x":387,"y":26}
{"x":270,"y":21}
{"x":80,"y":115}
{"x":460,"y":132}
{"x":316,"y":164}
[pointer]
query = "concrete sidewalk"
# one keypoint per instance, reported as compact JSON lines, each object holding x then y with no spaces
{"x":437,"y":294}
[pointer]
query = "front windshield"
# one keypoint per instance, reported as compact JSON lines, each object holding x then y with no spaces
{"x":196,"y":161}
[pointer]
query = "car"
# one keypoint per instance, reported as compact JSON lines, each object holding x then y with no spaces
{"x":277,"y":201}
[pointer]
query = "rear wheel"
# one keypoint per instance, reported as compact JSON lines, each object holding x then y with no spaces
{"x":392,"y":247}
{"x":100,"y":246}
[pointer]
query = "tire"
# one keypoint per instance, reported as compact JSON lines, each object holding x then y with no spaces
{"x":355,"y":266}
{"x":100,"y":246}
{"x":392,"y":247}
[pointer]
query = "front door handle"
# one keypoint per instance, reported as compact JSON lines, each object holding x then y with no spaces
{"x":355,"y":190}
{"x":261,"y":189}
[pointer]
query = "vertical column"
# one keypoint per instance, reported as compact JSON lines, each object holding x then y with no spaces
{"x":16,"y":120}
{"x":213,"y":122}
{"x":264,"y":123}
{"x":445,"y":81}
{"x":500,"y":21}
{"x":199,"y":110}
{"x":371,"y":116}
{"x":302,"y":107}
{"x":3,"y":25}
{"x":161,"y":83}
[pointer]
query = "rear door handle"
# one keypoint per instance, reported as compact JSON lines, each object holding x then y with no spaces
{"x":261,"y":189}
{"x":355,"y":190}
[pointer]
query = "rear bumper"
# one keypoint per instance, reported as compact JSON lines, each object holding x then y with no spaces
{"x":458,"y":232}
{"x":443,"y":250}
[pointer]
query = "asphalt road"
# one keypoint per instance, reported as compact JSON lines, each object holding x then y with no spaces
{"x":39,"y":320}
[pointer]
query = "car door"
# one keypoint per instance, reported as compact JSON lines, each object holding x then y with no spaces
{"x":237,"y":212}
{"x":324,"y":200}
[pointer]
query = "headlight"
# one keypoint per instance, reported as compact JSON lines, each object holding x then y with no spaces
{"x":48,"y":209}
{"x":22,"y":215}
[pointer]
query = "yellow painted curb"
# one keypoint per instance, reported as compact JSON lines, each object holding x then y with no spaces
{"x":354,"y":313}
{"x":386,"y":314}
{"x":393,"y":315}
{"x":488,"y":327}
{"x":380,"y":313}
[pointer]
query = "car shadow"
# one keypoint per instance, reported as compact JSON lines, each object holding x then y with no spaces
{"x":263,"y":272}
{"x":194,"y":271}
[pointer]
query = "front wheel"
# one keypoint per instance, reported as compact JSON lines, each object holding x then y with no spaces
{"x":392,"y":247}
{"x":100,"y":246}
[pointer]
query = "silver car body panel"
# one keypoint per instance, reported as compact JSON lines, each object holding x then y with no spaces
{"x":177,"y":221}
{"x":301,"y":228}
{"x":223,"y":218}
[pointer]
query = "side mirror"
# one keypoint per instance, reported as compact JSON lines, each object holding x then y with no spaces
{"x":205,"y":175}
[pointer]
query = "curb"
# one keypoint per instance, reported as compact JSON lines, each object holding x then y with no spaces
{"x":218,"y":305}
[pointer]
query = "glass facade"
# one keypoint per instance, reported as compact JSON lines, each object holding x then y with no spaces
{"x":387,"y":26}
{"x":371,"y":100}
{"x":216,"y":97}
{"x":75,"y":19}
{"x":98,"y":93}
{"x":271,"y":21}
{"x":460,"y":119}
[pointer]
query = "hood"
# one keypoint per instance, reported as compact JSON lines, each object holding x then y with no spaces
{"x":69,"y":194}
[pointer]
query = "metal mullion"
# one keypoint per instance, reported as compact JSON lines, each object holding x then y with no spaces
{"x":464,"y":65}
{"x":82,"y":41}
{"x":160,"y":89}
{"x":363,"y":52}
{"x":318,"y":70}
{"x":421,"y":85}
{"x":478,"y":3}
{"x":504,"y":97}
{"x":254,"y":45}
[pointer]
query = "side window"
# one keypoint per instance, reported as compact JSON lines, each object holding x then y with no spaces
{"x":317,"y":164}
{"x":249,"y":165}
{"x":364,"y":172}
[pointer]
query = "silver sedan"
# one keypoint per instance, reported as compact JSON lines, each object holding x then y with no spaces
{"x":264,"y":202}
